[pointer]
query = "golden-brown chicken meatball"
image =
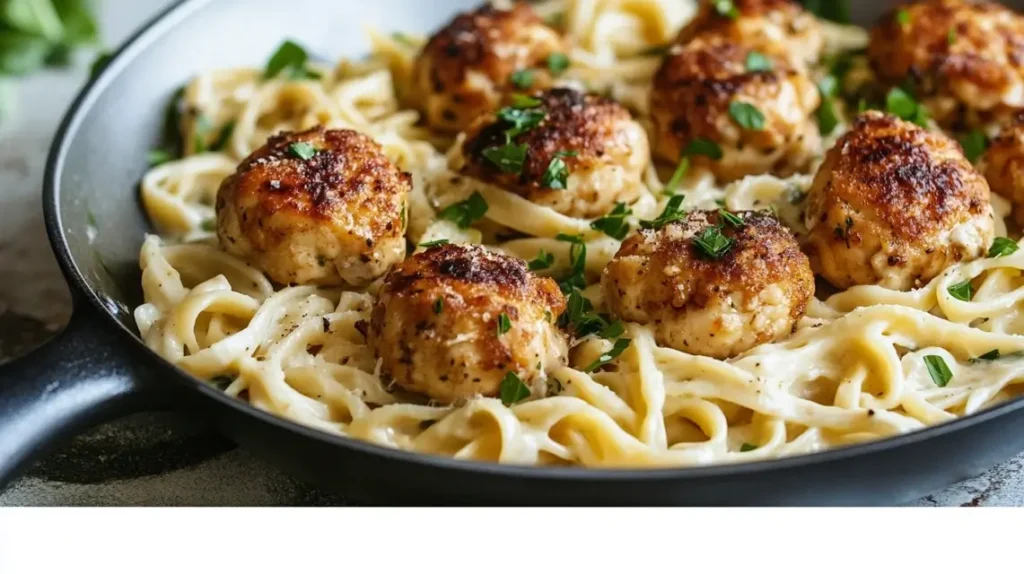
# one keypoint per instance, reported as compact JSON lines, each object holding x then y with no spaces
{"x":452,"y":321}
{"x":762,"y":120}
{"x":322,"y":207}
{"x":962,"y":58}
{"x":779,"y":27}
{"x":710,"y":286}
{"x":1003,"y":165}
{"x":894,"y":205}
{"x":576,"y":153}
{"x":466,"y":68}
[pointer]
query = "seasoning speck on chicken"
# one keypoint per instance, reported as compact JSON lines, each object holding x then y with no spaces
{"x":583,"y":153}
{"x":320,"y":207}
{"x":779,"y":27}
{"x":965,"y":60}
{"x":1003,"y":165}
{"x":894,"y":205}
{"x":467,"y":67}
{"x":452,"y":321}
{"x":712,"y":284}
{"x":762,"y":120}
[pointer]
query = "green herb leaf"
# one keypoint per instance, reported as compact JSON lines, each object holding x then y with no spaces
{"x":614,"y":329}
{"x":938,"y":370}
{"x":730,"y":218}
{"x":556,"y":176}
{"x":522,"y":79}
{"x":711,"y":243}
{"x":558,"y":63}
{"x":522,"y":102}
{"x":758,"y":62}
{"x":403,"y":39}
{"x":974,"y":143}
{"x":544,"y":260}
{"x":100,"y":62}
{"x":989,"y":356}
{"x":951,"y":36}
{"x":504,"y":324}
{"x":901,"y":104}
{"x":520,"y":119}
{"x":209,"y":224}
{"x":617,"y":349}
{"x":201,"y":131}
{"x":289,"y":56}
{"x":466,"y":213}
{"x":1003,"y":246}
{"x":439,"y":305}
{"x":21,"y":54}
{"x":903,"y":17}
{"x":614,"y":224}
{"x":513,"y":390}
{"x":509,"y":158}
{"x":159,"y":156}
{"x":577,"y":263}
{"x":656,"y":50}
{"x":223,"y":137}
{"x":435,"y":243}
{"x":677,"y":176}
{"x":673,"y":212}
{"x":828,"y":117}
{"x":962,"y":291}
{"x":726,"y":8}
{"x":704,"y":147}
{"x":747,"y":447}
{"x":746,"y":115}
{"x":302,"y":150}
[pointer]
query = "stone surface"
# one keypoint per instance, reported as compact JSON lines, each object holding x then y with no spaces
{"x":164,"y":459}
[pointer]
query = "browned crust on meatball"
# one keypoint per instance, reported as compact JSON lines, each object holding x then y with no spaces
{"x":585,"y":124}
{"x":914,"y":181}
{"x":460,"y":290}
{"x":1003,"y":165}
{"x":764,"y":253}
{"x":920,"y":50}
{"x":710,"y":21}
{"x":348,"y":167}
{"x":695,"y":85}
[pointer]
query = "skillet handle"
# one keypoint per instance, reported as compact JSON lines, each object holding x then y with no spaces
{"x":83,"y":377}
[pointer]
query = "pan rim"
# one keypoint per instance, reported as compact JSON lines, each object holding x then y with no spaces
{"x":177,"y":14}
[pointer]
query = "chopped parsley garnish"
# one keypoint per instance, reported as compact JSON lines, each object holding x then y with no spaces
{"x":521,"y":102}
{"x":989,"y":356}
{"x":435,"y":243}
{"x":726,"y":8}
{"x":504,"y":324}
{"x":439,"y":305}
{"x":509,"y":158}
{"x":747,"y":447}
{"x":403,"y":38}
{"x":746,"y":115}
{"x":223,"y":136}
{"x":704,"y":147}
{"x":711,"y":243}
{"x":938,"y":370}
{"x":951,"y":36}
{"x":835,"y":10}
{"x":513,"y":390}
{"x":617,"y":349}
{"x":903,"y":17}
{"x":962,"y":291}
{"x":579,"y":314}
{"x":828,"y":118}
{"x":577,"y":263}
{"x":614,"y":224}
{"x":543,"y":260}
{"x":556,"y":176}
{"x":302,"y":150}
{"x":209,"y":224}
{"x":465,"y":213}
{"x":974,"y":143}
{"x":656,"y":50}
{"x":730,"y":218}
{"x":159,"y":156}
{"x":673,"y":212}
{"x":291,"y":57}
{"x":901,"y":104}
{"x":522,"y":79}
{"x":201,"y":131}
{"x":1003,"y":246}
{"x":677,"y":176}
{"x":558,"y":63}
{"x":521,"y":119}
{"x":758,"y":62}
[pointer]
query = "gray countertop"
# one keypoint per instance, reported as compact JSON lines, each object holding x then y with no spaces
{"x":164,"y":459}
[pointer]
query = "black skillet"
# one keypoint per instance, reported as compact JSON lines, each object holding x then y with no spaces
{"x":98,"y":369}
